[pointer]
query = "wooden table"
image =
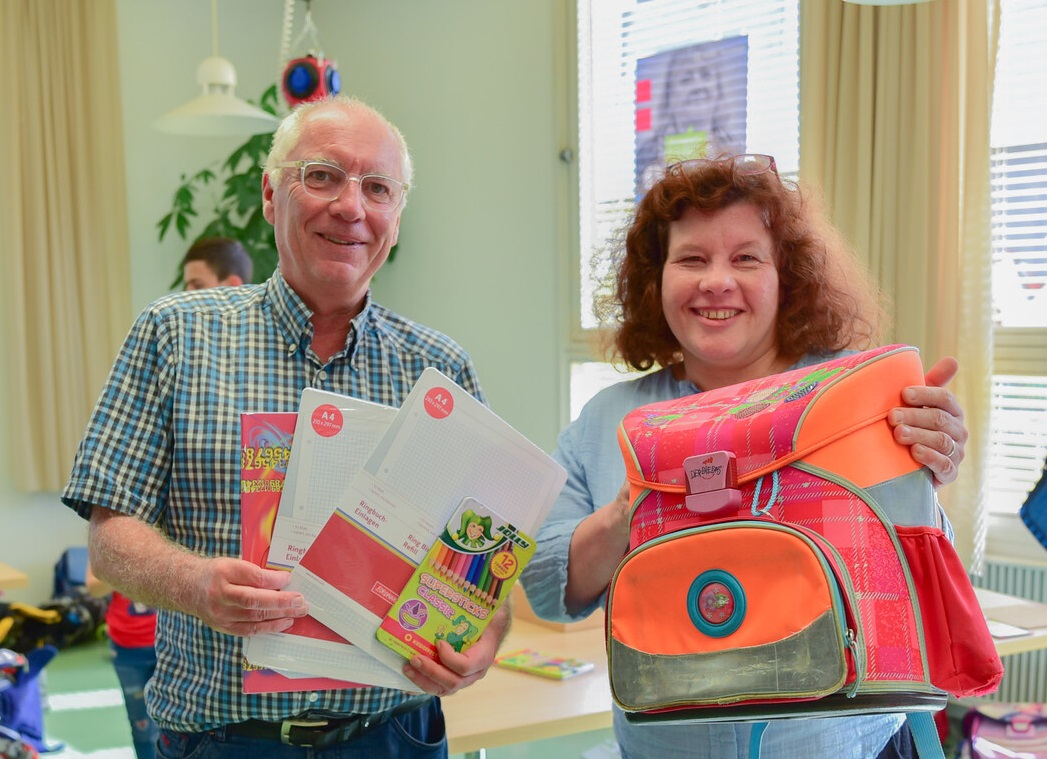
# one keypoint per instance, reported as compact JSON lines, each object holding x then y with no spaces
{"x":1019,"y":612}
{"x":515,"y":707}
{"x":12,"y":578}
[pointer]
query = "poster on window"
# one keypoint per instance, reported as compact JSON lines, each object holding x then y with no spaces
{"x":690,"y":103}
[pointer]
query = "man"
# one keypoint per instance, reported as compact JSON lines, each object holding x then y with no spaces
{"x":157,"y":473}
{"x":216,"y":262}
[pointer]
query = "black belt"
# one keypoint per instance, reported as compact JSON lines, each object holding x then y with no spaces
{"x":321,"y":732}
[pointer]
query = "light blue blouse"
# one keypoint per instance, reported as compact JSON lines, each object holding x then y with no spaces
{"x":588,"y":450}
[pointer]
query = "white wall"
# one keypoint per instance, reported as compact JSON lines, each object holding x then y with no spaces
{"x":474,"y":86}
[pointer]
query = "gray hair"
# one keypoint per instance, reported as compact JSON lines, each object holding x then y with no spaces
{"x":290,"y":130}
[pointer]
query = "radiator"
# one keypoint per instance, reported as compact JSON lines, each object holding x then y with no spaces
{"x":1025,"y":675}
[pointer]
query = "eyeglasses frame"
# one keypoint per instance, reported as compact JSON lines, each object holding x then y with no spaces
{"x":358,"y":178}
{"x":732,"y":160}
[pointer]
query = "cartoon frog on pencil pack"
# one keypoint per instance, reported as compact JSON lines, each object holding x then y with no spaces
{"x":459,"y":636}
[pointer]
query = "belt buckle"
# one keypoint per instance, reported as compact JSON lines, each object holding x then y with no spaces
{"x":288,"y":724}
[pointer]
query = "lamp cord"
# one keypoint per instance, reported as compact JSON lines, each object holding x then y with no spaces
{"x":214,"y":28}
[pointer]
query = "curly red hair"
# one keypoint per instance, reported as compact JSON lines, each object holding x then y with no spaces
{"x":828,"y":301}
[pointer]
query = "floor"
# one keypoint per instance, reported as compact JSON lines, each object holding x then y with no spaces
{"x":86,"y":715}
{"x":85,"y":710}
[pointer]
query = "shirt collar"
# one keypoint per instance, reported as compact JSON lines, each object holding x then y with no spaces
{"x":289,"y":312}
{"x":292,"y":316}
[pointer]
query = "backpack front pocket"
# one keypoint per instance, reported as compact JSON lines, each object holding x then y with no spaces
{"x":725,"y":613}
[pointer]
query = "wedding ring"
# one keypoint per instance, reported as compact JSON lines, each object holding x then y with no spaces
{"x":952,"y":450}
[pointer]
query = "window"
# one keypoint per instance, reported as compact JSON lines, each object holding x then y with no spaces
{"x":1019,"y":256}
{"x":758,"y":44}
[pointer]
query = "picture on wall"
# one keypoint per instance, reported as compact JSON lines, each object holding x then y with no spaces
{"x":690,"y":103}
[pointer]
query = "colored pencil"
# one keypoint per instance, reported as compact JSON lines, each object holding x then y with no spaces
{"x":440,"y":559}
{"x":485,"y":574}
{"x":476,"y":570}
{"x":460,"y":568}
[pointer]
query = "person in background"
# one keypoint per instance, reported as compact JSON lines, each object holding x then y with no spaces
{"x":728,"y":274}
{"x":216,"y":261}
{"x":131,"y":628}
{"x":157,"y":472}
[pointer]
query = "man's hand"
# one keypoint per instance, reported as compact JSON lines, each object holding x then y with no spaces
{"x":932,"y":424}
{"x":231,"y":595}
{"x":455,"y":671}
{"x":236,"y":597}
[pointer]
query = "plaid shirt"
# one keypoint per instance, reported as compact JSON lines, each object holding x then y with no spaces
{"x":163,"y":444}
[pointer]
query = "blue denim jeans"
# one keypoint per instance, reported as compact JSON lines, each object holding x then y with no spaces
{"x":134,"y":667}
{"x":900,"y":746}
{"x":419,"y":734}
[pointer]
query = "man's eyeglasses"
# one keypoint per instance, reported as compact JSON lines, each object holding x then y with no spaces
{"x":747,"y":164}
{"x":327,"y":182}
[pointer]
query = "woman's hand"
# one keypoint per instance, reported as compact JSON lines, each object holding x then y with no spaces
{"x":597,"y":546}
{"x":932,"y":424}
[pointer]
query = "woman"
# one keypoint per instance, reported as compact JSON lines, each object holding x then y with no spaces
{"x":728,"y":274}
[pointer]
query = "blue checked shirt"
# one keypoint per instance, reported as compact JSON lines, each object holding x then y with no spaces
{"x":163,"y":444}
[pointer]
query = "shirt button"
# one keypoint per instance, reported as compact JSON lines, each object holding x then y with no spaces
{"x":321,"y":375}
{"x":291,"y":348}
{"x":314,"y":697}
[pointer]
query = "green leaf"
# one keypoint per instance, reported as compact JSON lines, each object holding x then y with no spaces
{"x":184,"y":197}
{"x":164,"y":223}
{"x":269,"y":100}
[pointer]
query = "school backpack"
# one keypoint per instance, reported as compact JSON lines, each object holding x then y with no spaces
{"x":70,"y":573}
{"x":785,"y":560}
{"x":21,"y":708}
{"x":1033,"y":510}
{"x":60,"y":622}
{"x":998,"y":730}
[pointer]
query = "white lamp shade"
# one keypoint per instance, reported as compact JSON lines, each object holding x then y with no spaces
{"x":218,"y":111}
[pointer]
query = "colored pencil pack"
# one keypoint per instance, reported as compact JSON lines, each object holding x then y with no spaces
{"x":537,"y":663}
{"x":785,"y":559}
{"x":459,"y":585}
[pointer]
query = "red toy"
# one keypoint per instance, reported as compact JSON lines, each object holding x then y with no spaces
{"x":310,"y":78}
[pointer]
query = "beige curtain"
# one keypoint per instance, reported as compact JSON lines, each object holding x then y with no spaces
{"x":63,"y":229}
{"x":894,"y":126}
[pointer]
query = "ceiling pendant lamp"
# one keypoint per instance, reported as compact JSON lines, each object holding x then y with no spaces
{"x":218,"y":111}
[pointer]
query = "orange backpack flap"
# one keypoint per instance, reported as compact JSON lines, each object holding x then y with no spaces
{"x":799,"y":413}
{"x":824,"y":440}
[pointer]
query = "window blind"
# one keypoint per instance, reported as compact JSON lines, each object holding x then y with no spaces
{"x":1019,"y":255}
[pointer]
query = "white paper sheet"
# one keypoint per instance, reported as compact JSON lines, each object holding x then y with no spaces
{"x":329,"y":449}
